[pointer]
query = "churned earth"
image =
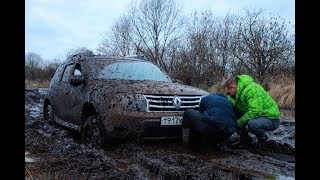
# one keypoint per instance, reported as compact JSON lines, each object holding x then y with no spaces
{"x":52,"y":152}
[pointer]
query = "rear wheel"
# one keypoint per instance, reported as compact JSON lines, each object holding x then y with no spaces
{"x":48,"y":115}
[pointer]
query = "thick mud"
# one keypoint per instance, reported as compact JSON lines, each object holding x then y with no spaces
{"x":52,"y":152}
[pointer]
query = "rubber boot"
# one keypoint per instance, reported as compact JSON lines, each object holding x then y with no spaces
{"x":260,"y":144}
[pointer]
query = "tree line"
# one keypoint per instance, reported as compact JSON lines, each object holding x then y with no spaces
{"x":202,"y":48}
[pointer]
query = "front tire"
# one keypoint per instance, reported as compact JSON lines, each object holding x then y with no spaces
{"x":92,"y":132}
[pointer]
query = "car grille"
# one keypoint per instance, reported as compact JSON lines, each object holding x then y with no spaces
{"x":170,"y":103}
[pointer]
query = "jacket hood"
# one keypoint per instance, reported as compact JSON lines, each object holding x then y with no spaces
{"x":243,"y":81}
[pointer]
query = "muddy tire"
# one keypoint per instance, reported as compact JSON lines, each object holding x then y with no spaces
{"x":48,"y":115}
{"x":92,"y":132}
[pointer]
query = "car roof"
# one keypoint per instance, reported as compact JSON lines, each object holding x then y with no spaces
{"x":105,"y":58}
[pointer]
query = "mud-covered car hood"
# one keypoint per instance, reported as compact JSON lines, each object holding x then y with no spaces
{"x":148,"y":87}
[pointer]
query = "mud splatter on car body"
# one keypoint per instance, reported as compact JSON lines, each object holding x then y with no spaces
{"x":127,"y":96}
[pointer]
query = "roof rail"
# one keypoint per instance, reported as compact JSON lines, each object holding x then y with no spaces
{"x":137,"y":56}
{"x":80,"y":55}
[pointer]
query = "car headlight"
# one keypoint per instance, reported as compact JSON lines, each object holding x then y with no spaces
{"x":133,"y":102}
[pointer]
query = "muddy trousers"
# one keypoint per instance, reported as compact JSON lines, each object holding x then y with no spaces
{"x":202,"y":125}
{"x":260,"y":125}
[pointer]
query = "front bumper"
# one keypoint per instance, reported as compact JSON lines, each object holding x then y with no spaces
{"x":122,"y":123}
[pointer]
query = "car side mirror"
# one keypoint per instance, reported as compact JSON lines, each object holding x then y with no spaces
{"x":76,"y":80}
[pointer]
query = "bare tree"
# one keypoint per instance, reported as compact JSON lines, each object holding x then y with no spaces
{"x":32,"y":64}
{"x":224,"y":41}
{"x":261,"y":43}
{"x":200,"y":50}
{"x":119,"y":40}
{"x":50,"y":68}
{"x":211,"y":47}
{"x":201,"y":41}
{"x":156,"y":23}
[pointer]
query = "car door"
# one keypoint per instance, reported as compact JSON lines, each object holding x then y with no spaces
{"x":71,"y":96}
{"x":75,"y":97}
{"x":63,"y":93}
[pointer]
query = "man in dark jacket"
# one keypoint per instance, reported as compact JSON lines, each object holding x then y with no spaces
{"x":255,"y":108}
{"x":215,"y":119}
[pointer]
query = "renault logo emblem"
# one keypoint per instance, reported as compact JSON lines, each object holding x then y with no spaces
{"x":177,"y":102}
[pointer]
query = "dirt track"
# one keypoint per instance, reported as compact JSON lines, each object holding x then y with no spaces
{"x":55,"y":153}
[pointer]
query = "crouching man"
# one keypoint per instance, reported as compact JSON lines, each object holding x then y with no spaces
{"x":255,"y":108}
{"x":215,"y":120}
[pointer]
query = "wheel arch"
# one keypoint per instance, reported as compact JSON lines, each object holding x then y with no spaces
{"x":88,"y":109}
{"x":46,"y":115}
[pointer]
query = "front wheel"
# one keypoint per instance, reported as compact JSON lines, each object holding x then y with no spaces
{"x":92,"y":132}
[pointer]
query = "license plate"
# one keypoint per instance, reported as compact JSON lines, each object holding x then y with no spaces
{"x":171,"y":120}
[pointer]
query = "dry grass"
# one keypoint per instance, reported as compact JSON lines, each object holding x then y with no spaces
{"x":37,"y":84}
{"x":284,"y":95}
{"x":216,"y":88}
{"x":283,"y":79}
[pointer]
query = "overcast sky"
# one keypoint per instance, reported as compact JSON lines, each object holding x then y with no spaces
{"x":52,"y":27}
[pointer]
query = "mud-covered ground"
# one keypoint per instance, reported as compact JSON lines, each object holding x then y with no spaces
{"x":52,"y":152}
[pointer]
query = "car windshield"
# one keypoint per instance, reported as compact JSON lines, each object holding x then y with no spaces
{"x":133,"y":71}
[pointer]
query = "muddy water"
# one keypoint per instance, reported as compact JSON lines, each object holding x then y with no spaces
{"x":56,"y":153}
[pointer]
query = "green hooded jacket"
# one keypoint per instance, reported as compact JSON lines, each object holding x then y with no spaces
{"x":252,"y":101}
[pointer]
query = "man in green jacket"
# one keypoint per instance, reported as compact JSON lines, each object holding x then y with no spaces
{"x":254,"y":106}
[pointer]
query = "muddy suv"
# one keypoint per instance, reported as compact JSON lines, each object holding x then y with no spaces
{"x":106,"y":98}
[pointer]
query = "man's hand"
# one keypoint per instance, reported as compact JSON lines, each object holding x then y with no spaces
{"x":238,"y":130}
{"x":241,"y":130}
